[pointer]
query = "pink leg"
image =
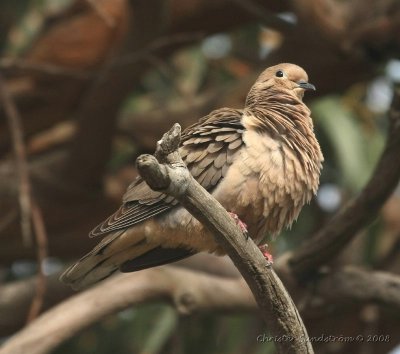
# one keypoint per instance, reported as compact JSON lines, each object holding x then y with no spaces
{"x":266,"y":254}
{"x":241,"y":224}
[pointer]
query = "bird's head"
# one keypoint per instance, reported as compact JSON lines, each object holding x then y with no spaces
{"x":286,"y":78}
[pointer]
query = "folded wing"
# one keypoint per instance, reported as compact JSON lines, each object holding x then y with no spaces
{"x":208,"y":149}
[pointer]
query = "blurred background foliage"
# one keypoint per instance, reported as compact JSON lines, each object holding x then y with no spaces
{"x":217,"y":70}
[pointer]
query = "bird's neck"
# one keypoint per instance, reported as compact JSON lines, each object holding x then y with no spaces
{"x":278,"y":110}
{"x":286,"y":118}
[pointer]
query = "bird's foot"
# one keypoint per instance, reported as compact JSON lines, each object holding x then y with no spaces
{"x":268,"y":256}
{"x":240,"y":223}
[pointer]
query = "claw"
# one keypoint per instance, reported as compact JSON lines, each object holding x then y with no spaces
{"x":240,"y":223}
{"x":268,"y":256}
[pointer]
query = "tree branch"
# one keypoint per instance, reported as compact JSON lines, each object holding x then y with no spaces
{"x":17,"y":296}
{"x":173,"y":178}
{"x":30,"y":212}
{"x":205,"y":293}
{"x":15,"y":125}
{"x":91,"y":147}
{"x":190,"y":291}
{"x":359,"y":285}
{"x":23,"y":66}
{"x":41,"y":246}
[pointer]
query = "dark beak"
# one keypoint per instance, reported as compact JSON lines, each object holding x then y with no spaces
{"x":306,"y":85}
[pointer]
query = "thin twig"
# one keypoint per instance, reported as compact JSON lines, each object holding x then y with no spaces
{"x":30,"y":212}
{"x":159,"y":43}
{"x":9,"y":64}
{"x":15,"y":124}
{"x":261,"y":13}
{"x":41,"y":245}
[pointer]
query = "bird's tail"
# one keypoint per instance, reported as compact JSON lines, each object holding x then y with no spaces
{"x":104,"y":260}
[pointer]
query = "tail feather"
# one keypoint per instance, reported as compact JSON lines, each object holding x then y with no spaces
{"x":102,"y":261}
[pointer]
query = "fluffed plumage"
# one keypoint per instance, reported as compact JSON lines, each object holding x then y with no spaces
{"x":261,"y":163}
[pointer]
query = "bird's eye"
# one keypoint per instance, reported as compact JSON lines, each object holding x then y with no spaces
{"x":279,"y":73}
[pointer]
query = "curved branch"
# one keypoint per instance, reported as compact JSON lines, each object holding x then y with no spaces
{"x":360,"y":211}
{"x":205,"y":293}
{"x":190,"y":292}
{"x":16,"y":297}
{"x":173,"y":178}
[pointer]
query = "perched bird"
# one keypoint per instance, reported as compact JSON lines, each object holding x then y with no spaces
{"x":261,"y":163}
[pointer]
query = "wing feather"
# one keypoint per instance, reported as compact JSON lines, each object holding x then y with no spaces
{"x":208,"y":149}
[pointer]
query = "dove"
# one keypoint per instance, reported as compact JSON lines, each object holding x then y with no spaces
{"x":262,"y":163}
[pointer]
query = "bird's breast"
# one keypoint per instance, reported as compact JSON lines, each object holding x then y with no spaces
{"x":266,"y":185}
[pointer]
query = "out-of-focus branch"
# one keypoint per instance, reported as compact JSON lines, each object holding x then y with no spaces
{"x":359,"y":285}
{"x":167,"y":172}
{"x":14,"y":121}
{"x":188,"y":291}
{"x":16,"y":297}
{"x":41,"y":245}
{"x":354,"y":27}
{"x":360,"y":211}
{"x":16,"y":65}
{"x":30,"y":211}
{"x":191,"y":291}
{"x":257,"y":10}
{"x":97,"y":115}
{"x":79,"y":211}
{"x":146,"y":128}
